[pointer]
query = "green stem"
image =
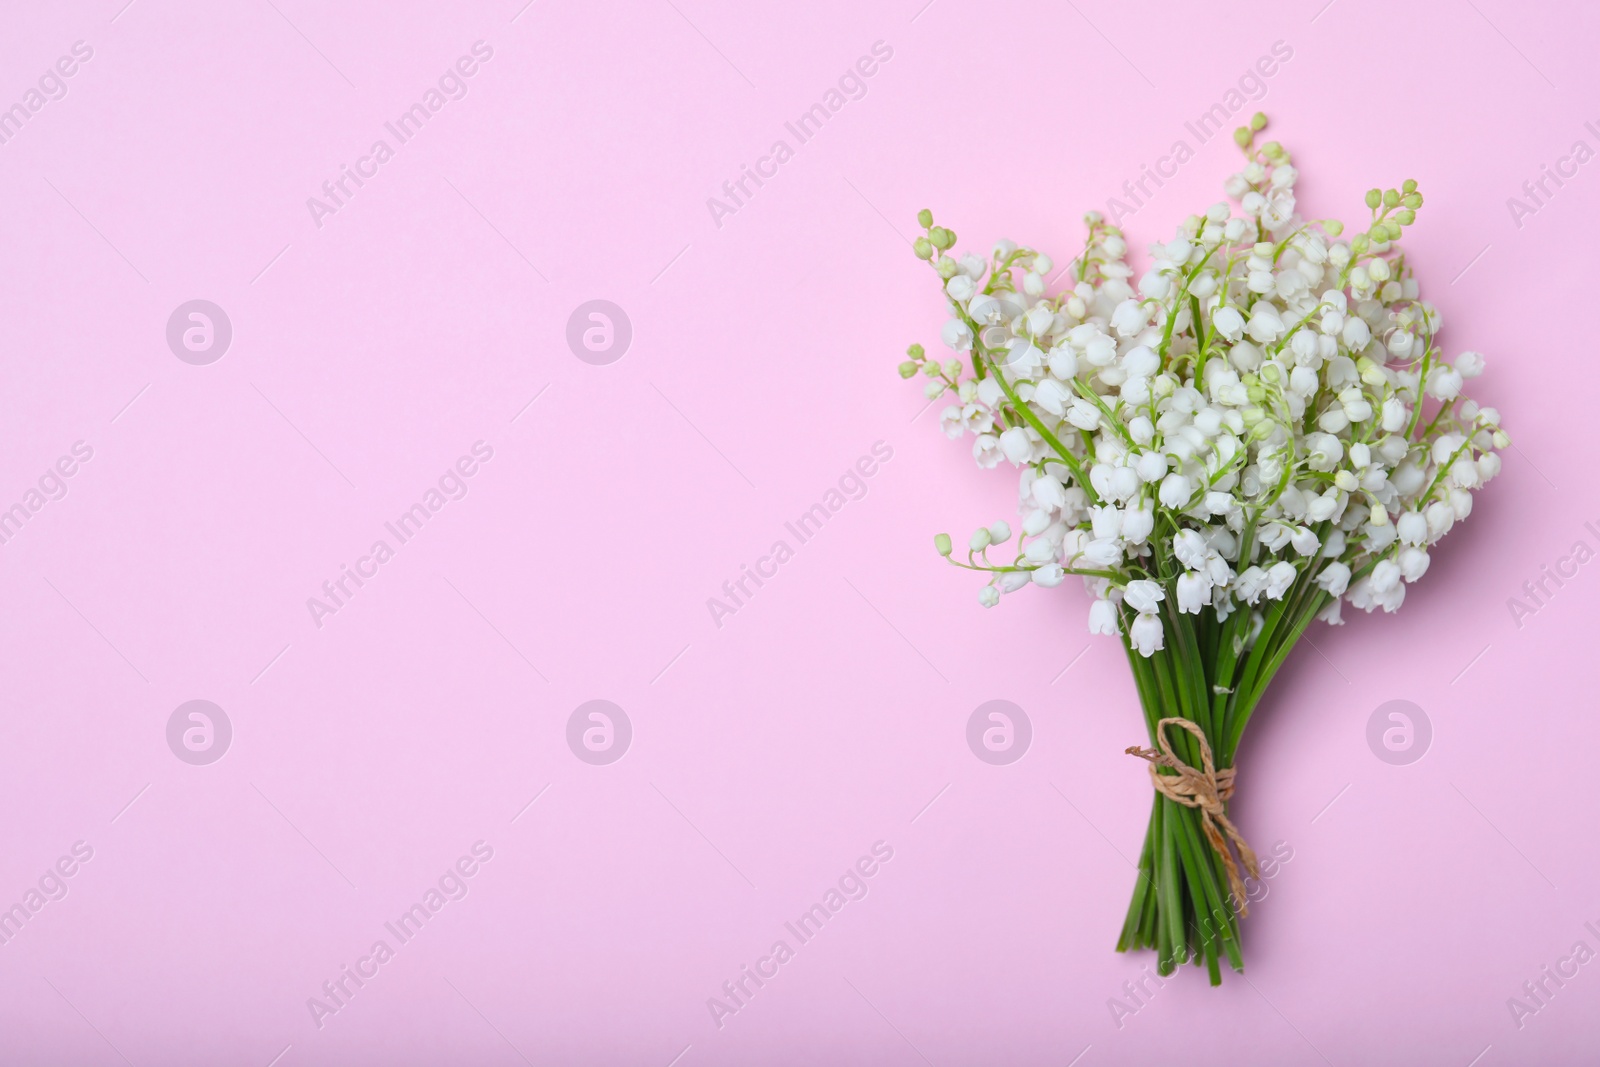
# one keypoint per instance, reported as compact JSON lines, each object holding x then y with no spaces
{"x":1050,"y":438}
{"x":1182,"y":905}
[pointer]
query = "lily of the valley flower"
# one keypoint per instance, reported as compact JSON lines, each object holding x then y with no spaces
{"x":1266,"y":418}
{"x":1252,"y":428}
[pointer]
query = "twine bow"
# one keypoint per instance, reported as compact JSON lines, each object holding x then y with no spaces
{"x":1206,"y":789}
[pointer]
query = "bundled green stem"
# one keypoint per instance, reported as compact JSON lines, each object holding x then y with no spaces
{"x":1213,"y":673}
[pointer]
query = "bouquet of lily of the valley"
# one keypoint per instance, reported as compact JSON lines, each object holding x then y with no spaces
{"x":1260,"y":429}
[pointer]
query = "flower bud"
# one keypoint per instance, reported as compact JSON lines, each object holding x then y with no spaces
{"x":941,"y":544}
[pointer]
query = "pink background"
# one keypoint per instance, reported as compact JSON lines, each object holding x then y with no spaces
{"x":768,"y":754}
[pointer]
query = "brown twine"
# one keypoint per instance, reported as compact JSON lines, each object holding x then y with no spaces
{"x":1206,"y":789}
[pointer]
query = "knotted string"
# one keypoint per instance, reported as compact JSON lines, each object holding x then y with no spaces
{"x":1206,"y":789}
